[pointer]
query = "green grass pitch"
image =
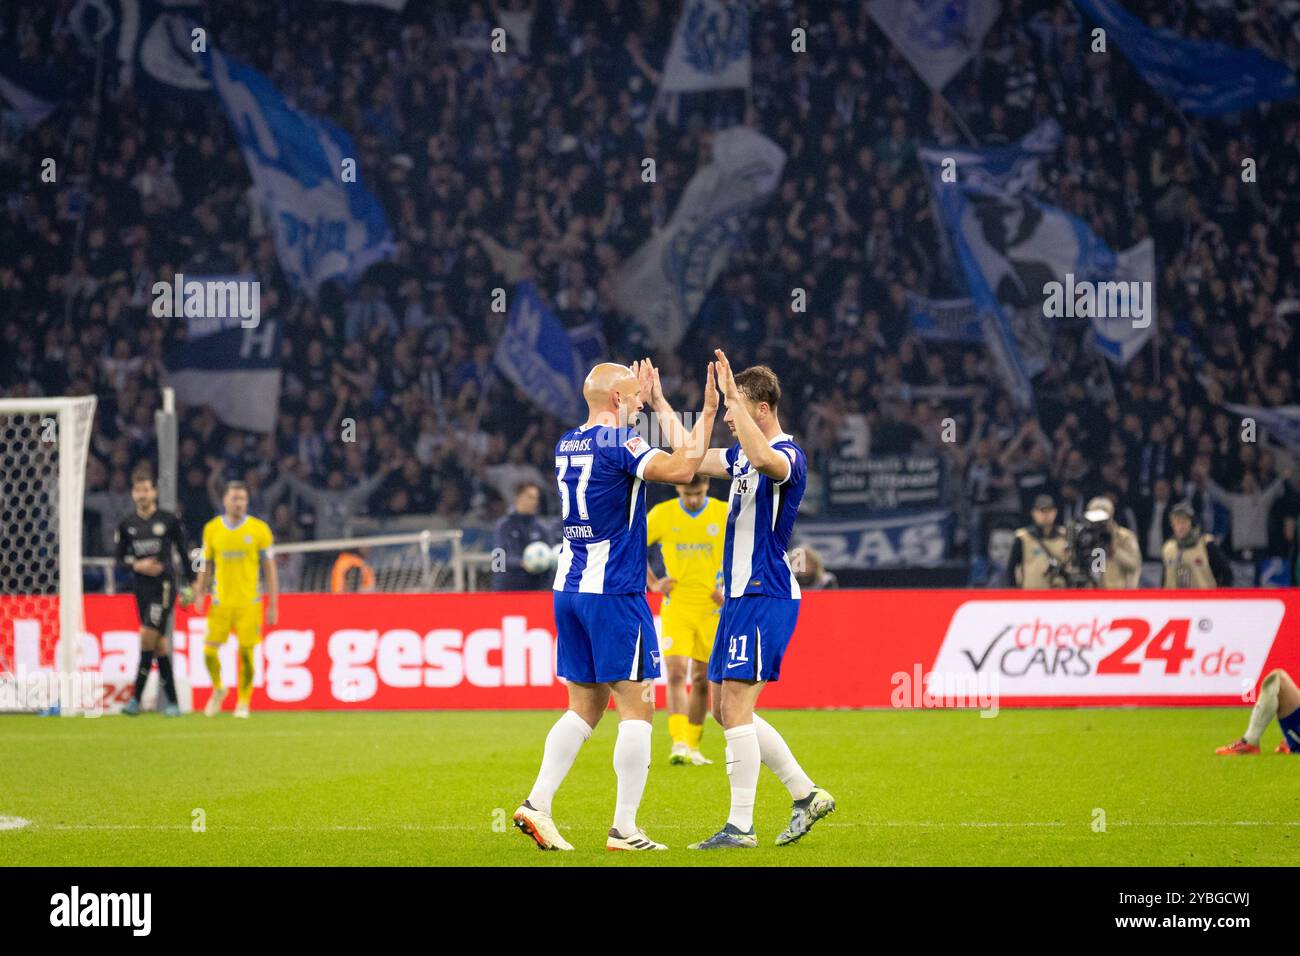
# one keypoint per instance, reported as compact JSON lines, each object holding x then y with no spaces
{"x":913,"y":787}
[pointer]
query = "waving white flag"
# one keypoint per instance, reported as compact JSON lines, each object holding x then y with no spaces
{"x":710,"y":49}
{"x":938,"y":37}
{"x":663,"y":283}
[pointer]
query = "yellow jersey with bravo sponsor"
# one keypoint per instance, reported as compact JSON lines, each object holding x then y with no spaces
{"x":235,"y":556}
{"x":692,"y":547}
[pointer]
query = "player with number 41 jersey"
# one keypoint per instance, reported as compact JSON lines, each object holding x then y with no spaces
{"x":605,"y":635}
{"x":768,"y":472}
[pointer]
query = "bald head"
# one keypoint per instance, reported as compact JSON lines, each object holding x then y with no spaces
{"x":609,"y":387}
{"x":603,"y":379}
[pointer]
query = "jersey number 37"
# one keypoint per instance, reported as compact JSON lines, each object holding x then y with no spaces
{"x":583,"y":463}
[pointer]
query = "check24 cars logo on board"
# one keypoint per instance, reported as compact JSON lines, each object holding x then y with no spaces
{"x":1111,"y":647}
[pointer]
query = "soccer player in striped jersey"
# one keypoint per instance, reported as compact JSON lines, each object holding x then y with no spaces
{"x":768,"y":473}
{"x":605,"y":635}
{"x":1278,"y":697}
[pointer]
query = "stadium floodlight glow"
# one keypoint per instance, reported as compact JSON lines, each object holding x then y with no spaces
{"x":44,"y":444}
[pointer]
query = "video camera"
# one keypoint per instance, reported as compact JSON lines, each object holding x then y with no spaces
{"x":1084,"y":537}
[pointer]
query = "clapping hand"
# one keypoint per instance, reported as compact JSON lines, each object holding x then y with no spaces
{"x":726,"y":381}
{"x":711,"y":389}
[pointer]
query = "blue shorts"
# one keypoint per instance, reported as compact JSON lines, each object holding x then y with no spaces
{"x":602,"y":638}
{"x":1291,"y":730}
{"x":753,"y":633}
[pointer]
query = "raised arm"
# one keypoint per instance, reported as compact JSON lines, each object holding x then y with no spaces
{"x":673,"y":431}
{"x":681,"y":466}
{"x":762,"y":456}
{"x":303,"y":489}
{"x":1201,"y":476}
{"x":1276,"y":488}
{"x":215,"y":485}
{"x":714,"y":463}
{"x":361,"y":492}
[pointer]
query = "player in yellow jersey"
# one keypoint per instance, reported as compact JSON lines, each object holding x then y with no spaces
{"x":235,"y":547}
{"x":690,"y":530}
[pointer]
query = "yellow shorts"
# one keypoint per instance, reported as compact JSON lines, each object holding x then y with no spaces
{"x":688,"y":629}
{"x":246,"y":622}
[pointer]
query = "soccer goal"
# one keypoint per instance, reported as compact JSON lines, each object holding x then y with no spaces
{"x":43,"y":447}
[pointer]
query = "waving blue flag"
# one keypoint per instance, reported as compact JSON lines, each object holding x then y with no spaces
{"x":543,"y":358}
{"x":982,"y":283}
{"x":1203,"y":77}
{"x":1013,"y":168}
{"x":325,"y":227}
{"x":1012,"y":250}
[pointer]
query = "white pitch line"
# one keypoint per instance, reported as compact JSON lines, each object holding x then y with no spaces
{"x":259,"y":829}
{"x":1015,"y":824}
{"x":216,"y":735}
{"x":13,"y":823}
{"x":464,"y":827}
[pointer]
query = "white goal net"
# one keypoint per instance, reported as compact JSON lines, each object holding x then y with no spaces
{"x":418,"y":562}
{"x":43,"y":448}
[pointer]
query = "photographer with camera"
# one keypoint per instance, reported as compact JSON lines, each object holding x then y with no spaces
{"x":1193,"y":559}
{"x":1098,"y":534}
{"x":1039,"y":555}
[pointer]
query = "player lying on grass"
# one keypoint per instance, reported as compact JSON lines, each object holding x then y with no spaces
{"x":235,"y":546}
{"x":1278,"y":697}
{"x":151,"y":543}
{"x":768,"y":473}
{"x":605,"y":635}
{"x":689,"y":530}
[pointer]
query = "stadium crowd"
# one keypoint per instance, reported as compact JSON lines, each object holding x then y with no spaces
{"x":496,"y":167}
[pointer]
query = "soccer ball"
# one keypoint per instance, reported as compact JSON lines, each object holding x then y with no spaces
{"x":538,"y":557}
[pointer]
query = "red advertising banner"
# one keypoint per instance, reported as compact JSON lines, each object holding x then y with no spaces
{"x":851,"y":649}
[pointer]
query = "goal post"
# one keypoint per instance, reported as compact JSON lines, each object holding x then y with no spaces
{"x":44,"y":444}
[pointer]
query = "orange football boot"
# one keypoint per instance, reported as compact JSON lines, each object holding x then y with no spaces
{"x":1237,"y":748}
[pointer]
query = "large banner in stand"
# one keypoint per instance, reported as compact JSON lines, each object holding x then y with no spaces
{"x":883,"y":482}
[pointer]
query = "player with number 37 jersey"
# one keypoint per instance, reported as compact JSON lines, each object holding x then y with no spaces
{"x":606,"y":645}
{"x":601,"y":476}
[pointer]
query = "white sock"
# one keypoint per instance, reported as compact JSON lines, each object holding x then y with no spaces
{"x":778,"y":759}
{"x":743,"y":761}
{"x":632,"y":765}
{"x":564,"y":741}
{"x":1265,"y":709}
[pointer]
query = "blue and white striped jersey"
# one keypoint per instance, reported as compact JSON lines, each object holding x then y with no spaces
{"x":602,"y":501}
{"x":760,"y":519}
